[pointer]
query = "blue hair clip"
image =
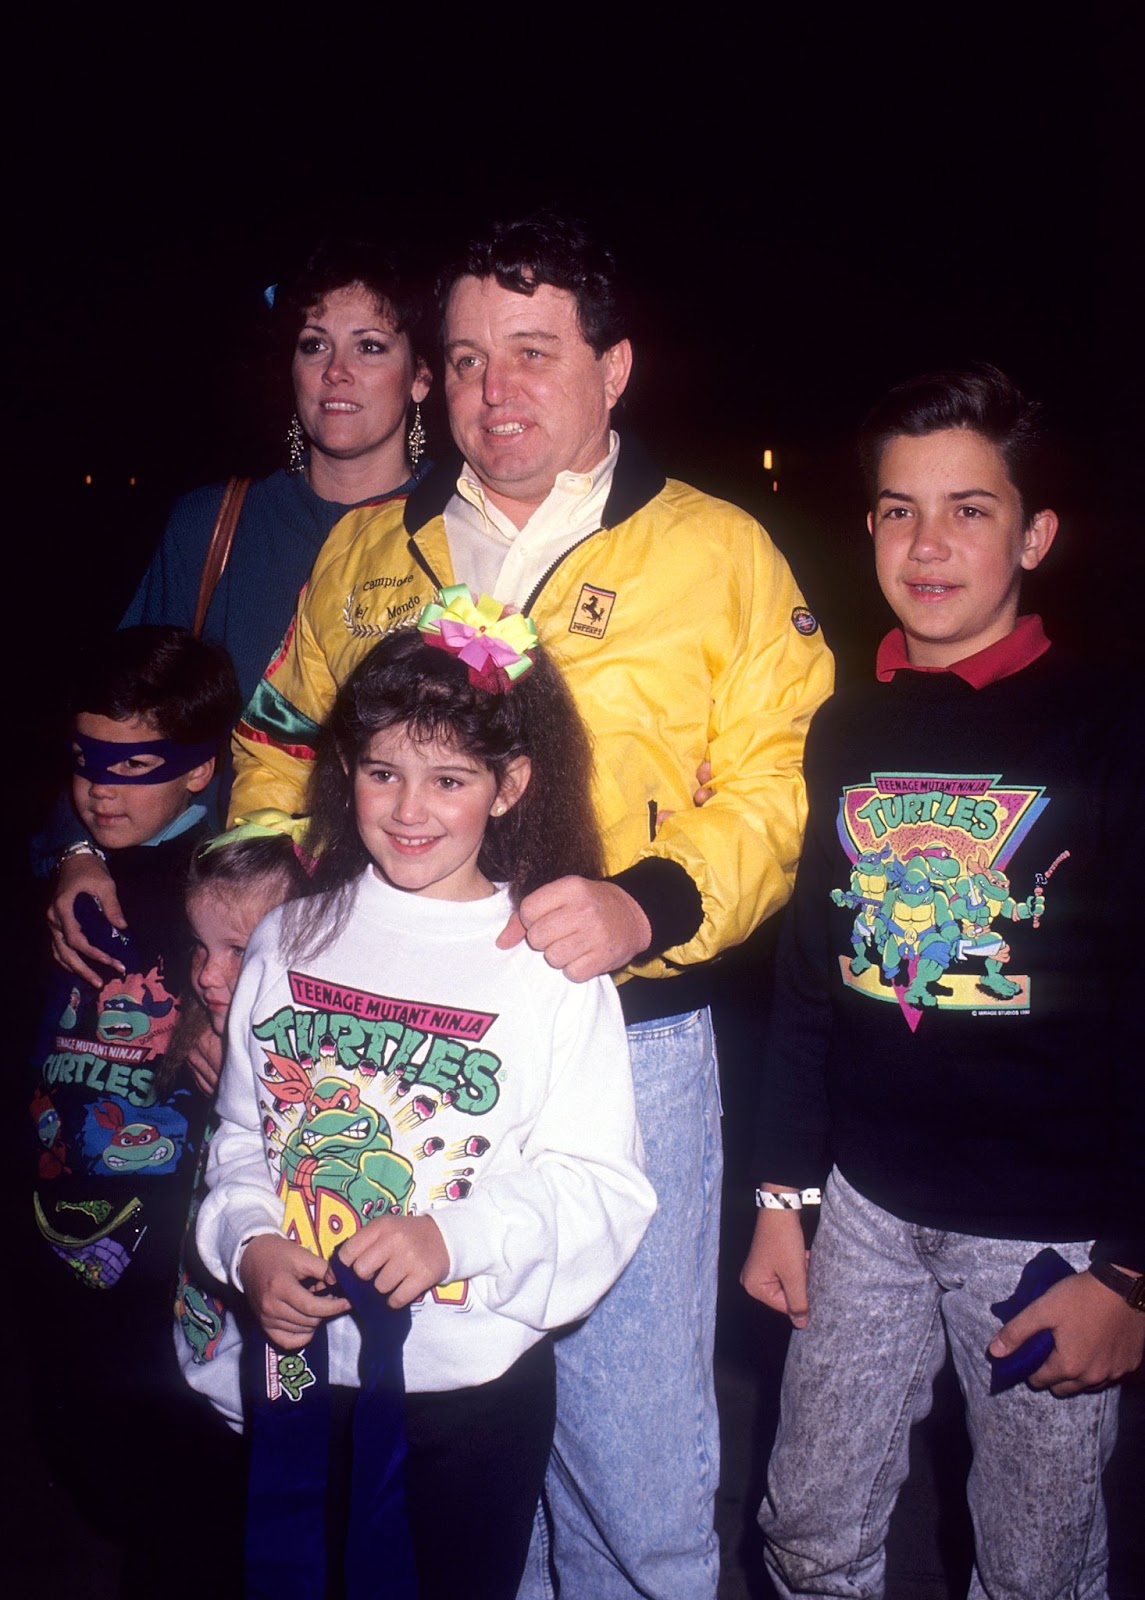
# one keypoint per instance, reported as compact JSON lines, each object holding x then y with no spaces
{"x":268,"y":295}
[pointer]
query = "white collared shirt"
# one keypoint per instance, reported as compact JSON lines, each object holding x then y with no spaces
{"x":493,"y":556}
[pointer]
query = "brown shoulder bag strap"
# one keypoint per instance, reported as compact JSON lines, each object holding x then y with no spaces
{"x":219,"y":549}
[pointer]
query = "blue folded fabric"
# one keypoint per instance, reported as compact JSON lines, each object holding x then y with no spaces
{"x":287,"y":1539}
{"x":1040,"y":1273}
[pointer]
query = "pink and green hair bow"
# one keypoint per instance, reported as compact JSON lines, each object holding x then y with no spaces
{"x":492,"y":641}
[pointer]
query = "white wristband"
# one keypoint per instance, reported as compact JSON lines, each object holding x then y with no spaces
{"x":788,"y":1202}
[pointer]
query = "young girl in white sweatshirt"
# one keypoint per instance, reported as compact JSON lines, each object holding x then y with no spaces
{"x":453,"y":1117}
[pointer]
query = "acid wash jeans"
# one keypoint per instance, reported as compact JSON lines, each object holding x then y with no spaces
{"x":635,"y":1465}
{"x":860,"y":1373}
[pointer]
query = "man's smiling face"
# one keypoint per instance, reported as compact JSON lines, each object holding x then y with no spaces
{"x":528,"y":396}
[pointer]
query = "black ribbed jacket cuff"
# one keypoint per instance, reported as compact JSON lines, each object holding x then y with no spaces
{"x":668,"y":898}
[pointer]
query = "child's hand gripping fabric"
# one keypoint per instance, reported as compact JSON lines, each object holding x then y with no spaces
{"x":404,"y":1256}
{"x":276,"y":1275}
{"x":1098,"y":1338}
{"x":71,"y":948}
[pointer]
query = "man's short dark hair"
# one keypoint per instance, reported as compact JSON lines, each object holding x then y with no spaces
{"x":185,"y":687}
{"x":979,"y":397}
{"x":547,"y":248}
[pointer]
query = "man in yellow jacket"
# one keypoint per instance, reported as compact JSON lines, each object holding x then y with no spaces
{"x":683,"y":637}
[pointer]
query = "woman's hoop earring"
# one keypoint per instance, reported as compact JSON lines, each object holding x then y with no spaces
{"x":415,"y":438}
{"x":296,"y":447}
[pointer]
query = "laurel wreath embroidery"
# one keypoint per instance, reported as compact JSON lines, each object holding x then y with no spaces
{"x":374,"y":630}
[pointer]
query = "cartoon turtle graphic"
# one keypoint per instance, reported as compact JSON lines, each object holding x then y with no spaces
{"x":340,"y":1144}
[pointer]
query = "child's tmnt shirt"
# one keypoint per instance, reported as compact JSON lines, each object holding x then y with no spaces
{"x":956,"y":1023}
{"x":114,"y":1155}
{"x":410,"y":1067}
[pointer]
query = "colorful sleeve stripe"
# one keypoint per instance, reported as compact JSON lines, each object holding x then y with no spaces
{"x":270,"y":718}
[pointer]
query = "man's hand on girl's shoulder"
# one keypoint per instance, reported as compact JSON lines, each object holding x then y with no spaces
{"x":584,"y":928}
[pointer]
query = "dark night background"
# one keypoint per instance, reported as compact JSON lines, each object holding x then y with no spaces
{"x":807,"y":214}
{"x":807,"y":210}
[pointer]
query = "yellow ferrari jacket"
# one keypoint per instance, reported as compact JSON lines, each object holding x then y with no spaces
{"x":681,"y":633}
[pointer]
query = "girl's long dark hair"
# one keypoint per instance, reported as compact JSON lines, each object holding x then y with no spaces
{"x":405,"y":682}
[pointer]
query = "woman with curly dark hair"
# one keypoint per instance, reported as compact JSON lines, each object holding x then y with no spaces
{"x":346,"y":328}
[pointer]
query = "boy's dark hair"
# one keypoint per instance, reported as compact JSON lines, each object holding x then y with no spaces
{"x":338,"y":263}
{"x":979,"y":397}
{"x":185,"y":687}
{"x":405,"y":682}
{"x":547,"y":248}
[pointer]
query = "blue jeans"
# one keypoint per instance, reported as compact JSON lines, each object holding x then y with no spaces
{"x":635,"y":1465}
{"x":860,"y":1373}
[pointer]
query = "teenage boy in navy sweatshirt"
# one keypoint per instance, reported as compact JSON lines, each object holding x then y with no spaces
{"x":954,"y":1038}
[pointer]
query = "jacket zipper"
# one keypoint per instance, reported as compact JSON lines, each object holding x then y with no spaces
{"x":526,"y":609}
{"x":545,"y":576}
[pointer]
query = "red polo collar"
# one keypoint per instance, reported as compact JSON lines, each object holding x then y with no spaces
{"x":1006,"y":656}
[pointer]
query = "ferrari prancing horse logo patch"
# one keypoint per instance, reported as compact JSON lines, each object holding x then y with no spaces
{"x":592,"y":611}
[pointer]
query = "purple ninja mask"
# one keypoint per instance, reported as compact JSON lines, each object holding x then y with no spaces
{"x":93,"y":759}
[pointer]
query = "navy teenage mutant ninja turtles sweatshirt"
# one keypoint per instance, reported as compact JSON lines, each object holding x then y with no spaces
{"x":955,"y":1017}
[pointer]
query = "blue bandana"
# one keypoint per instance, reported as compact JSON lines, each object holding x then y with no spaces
{"x":94,"y":759}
